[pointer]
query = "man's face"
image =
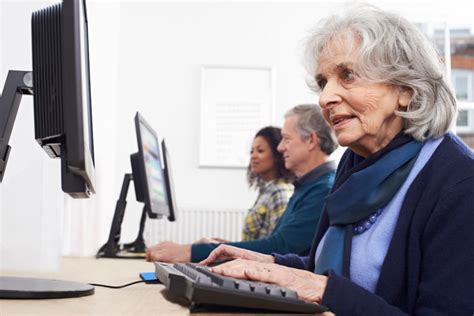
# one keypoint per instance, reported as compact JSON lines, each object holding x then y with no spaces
{"x":294,"y":149}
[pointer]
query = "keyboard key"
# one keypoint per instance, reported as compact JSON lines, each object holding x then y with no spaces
{"x":221,"y":280}
{"x":260,"y":288}
{"x":191,"y":272}
{"x":291,"y":294}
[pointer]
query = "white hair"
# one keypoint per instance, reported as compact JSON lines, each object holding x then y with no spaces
{"x":391,"y":50}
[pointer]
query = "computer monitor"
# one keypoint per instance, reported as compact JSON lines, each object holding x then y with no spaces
{"x":153,"y":187}
{"x":173,"y":207}
{"x":61,"y":97}
{"x":62,"y":115}
{"x":148,"y":174}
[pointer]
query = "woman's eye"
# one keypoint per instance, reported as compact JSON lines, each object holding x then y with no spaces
{"x":347,"y":74}
{"x":321,"y":83}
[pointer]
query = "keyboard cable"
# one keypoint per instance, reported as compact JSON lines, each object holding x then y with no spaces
{"x":120,"y":286}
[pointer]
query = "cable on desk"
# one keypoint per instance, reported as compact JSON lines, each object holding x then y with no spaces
{"x":116,"y":286}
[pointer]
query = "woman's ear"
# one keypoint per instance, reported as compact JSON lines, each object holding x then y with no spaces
{"x":404,"y":97}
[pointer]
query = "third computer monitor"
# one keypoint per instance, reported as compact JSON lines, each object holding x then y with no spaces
{"x":169,"y":182}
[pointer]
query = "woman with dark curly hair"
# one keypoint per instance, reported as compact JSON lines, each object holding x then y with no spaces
{"x":266,"y":171}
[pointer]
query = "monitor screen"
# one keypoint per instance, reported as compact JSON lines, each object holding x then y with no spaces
{"x":151,"y":180}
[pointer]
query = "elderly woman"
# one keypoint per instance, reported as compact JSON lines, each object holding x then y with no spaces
{"x":397,"y":232}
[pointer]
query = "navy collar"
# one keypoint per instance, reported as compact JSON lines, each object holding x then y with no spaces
{"x":317,"y":172}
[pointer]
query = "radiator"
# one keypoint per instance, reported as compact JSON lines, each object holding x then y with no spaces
{"x":193,"y":224}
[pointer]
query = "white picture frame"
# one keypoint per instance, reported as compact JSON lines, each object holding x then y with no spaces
{"x":236,"y":102}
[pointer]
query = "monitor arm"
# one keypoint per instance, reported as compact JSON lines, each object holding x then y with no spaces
{"x":17,"y":84}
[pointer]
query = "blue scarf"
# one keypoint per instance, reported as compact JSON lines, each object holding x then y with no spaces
{"x":360,"y":193}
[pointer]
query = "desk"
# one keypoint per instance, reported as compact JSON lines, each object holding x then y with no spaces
{"x":137,"y":299}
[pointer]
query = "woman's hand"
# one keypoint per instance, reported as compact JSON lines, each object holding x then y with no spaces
{"x":226,"y":252}
{"x":309,"y":286}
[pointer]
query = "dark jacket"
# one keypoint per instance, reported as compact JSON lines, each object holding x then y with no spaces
{"x":429,"y":266}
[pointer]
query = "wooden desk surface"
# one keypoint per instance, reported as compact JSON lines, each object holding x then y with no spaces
{"x":137,"y":299}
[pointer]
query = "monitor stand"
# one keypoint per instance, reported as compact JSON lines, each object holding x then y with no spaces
{"x":17,"y":84}
{"x":32,"y":288}
{"x":113,"y":248}
{"x":138,"y":246}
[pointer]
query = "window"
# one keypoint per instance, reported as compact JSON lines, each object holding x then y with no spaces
{"x":463,"y":118}
{"x":462,"y":84}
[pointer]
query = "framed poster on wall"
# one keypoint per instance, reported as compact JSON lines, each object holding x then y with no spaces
{"x":235,"y":103}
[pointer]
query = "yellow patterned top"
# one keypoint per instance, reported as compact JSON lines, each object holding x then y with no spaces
{"x":261,"y":219}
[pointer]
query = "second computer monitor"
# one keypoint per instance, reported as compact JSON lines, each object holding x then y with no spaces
{"x":148,"y":175}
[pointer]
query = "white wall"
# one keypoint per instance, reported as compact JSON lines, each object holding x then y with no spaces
{"x":160,"y":76}
{"x":146,"y":56}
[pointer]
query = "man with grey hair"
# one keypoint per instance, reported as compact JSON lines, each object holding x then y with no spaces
{"x":307,"y":142}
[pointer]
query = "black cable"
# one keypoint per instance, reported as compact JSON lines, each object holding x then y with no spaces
{"x":116,"y":286}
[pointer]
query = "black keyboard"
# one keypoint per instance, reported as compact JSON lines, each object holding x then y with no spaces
{"x":207,"y":290}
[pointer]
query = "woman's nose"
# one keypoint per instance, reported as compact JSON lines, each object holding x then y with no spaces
{"x":330,"y":95}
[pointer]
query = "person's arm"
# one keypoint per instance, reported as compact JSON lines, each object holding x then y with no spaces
{"x":215,"y":240}
{"x":447,"y":271}
{"x":344,"y":297}
{"x":291,"y":260}
{"x":296,"y":230}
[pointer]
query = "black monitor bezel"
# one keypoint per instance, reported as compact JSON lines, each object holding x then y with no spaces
{"x":172,"y":205}
{"x":79,"y":131}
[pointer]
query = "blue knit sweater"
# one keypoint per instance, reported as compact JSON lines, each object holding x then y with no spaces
{"x":295,"y":230}
{"x":429,"y":266}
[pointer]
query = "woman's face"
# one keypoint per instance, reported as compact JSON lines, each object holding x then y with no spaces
{"x":262,"y":161}
{"x":362,"y":113}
